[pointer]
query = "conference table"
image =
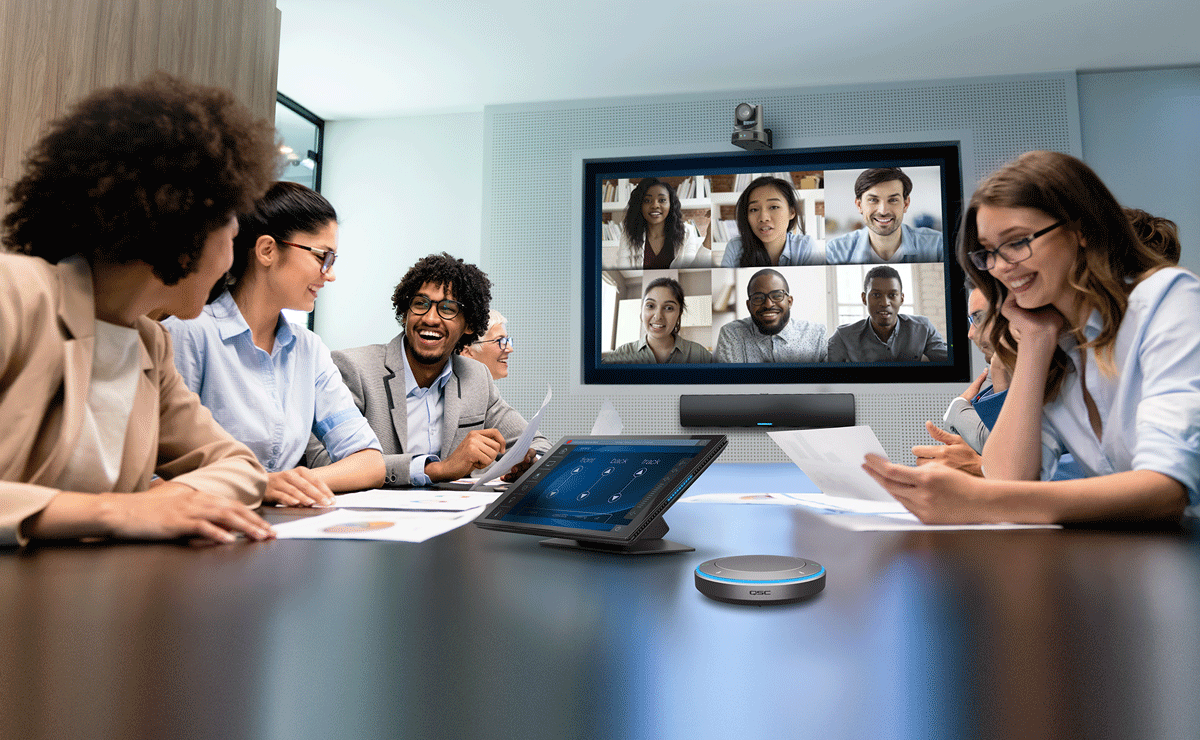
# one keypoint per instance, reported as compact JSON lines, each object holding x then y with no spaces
{"x":1080,"y":632}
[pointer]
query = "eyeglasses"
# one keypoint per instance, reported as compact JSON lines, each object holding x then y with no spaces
{"x":1012,"y":252}
{"x":977,"y":318}
{"x":446,"y":308}
{"x":776,"y":296}
{"x":504,"y":343}
{"x":328,"y":256}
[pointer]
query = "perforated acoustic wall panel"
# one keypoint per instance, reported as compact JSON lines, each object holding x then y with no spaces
{"x":531,"y":246}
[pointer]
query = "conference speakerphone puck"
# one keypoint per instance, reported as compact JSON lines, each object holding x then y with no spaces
{"x":760,"y":579}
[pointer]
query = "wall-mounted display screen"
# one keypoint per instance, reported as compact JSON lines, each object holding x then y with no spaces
{"x":795,"y":266}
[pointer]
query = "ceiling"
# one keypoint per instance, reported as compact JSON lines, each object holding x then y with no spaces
{"x":383,"y":58}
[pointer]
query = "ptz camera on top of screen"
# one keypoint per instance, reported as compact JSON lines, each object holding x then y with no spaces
{"x":748,"y":131}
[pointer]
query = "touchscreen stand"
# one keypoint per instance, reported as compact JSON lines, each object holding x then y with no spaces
{"x":605,"y":493}
{"x":650,"y":543}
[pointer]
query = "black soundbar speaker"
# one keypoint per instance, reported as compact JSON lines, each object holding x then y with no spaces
{"x":789,"y":410}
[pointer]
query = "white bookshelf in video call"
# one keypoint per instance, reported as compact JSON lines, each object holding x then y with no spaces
{"x":696,"y":194}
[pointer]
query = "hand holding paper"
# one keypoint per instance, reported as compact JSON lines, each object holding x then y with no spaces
{"x":516,"y":453}
{"x":833,"y":458}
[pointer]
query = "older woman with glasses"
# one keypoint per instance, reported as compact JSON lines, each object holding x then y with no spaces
{"x":1096,"y":328}
{"x":268,"y":382}
{"x":494,"y":347}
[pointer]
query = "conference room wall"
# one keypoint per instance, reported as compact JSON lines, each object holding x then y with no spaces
{"x":1147,"y":154}
{"x":403,"y":188}
{"x":529,"y":235}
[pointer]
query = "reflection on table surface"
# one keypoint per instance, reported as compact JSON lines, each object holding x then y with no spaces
{"x":1039,"y":633}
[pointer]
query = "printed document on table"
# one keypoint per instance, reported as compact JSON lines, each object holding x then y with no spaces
{"x":395,"y":526}
{"x":415,"y":499}
{"x":856,"y":515}
{"x":833,"y":458}
{"x":516,"y":453}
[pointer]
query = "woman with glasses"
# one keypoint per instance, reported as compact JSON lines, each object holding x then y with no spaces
{"x":269,"y":382}
{"x":655,"y":234}
{"x":662,"y":311}
{"x":1098,"y":332}
{"x":494,"y":347}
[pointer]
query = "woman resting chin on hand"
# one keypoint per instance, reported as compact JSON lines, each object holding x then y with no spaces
{"x":1096,"y":330}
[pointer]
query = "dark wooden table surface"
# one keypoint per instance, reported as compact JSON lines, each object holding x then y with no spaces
{"x":1019,"y":634}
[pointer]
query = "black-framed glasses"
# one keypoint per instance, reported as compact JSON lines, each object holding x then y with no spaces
{"x":776,"y":296}
{"x":976,"y":318}
{"x":1012,"y":252}
{"x":504,"y":343}
{"x":446,"y":308}
{"x":328,"y":256}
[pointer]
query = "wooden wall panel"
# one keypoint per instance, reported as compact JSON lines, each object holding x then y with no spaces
{"x":53,"y":52}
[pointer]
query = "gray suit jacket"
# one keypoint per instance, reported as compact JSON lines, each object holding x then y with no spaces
{"x":375,"y":376}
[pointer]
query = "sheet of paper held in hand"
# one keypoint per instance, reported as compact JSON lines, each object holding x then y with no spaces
{"x":516,"y":453}
{"x":832,"y":459}
{"x":396,"y":526}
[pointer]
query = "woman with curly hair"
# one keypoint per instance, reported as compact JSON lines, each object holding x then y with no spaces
{"x":767,"y":215}
{"x":1096,"y":329}
{"x":270,"y":383}
{"x":654,"y":234}
{"x":126,"y":207}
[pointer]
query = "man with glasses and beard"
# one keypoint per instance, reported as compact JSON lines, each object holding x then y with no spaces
{"x":770,"y":334}
{"x":437,"y":414}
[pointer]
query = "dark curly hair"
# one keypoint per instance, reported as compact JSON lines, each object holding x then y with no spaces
{"x":287,"y":209}
{"x":883,"y":272}
{"x":754,"y":252}
{"x":467,"y":284}
{"x":635,"y":223}
{"x":142,"y":172}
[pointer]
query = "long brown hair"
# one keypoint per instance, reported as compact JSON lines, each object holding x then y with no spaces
{"x":1111,"y":258}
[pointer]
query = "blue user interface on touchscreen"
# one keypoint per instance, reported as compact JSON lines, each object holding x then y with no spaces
{"x":597,"y":485}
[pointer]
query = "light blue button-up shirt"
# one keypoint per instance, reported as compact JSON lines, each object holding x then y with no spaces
{"x":799,"y":341}
{"x":799,"y":249}
{"x":918,"y":244}
{"x":269,"y":402}
{"x":1151,"y":407}
{"x":425,"y":407}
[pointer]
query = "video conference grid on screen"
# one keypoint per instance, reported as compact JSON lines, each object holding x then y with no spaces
{"x":843,"y":272}
{"x":822,"y":302}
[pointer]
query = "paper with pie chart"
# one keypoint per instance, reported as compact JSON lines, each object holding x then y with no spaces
{"x":397,"y":526}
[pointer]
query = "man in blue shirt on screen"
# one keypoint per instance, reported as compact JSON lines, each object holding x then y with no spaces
{"x":882,"y":197}
{"x":886,"y":335}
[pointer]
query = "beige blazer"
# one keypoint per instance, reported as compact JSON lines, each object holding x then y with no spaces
{"x":47,"y":333}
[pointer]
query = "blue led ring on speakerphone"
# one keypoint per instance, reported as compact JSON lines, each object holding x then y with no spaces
{"x":760,"y":579}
